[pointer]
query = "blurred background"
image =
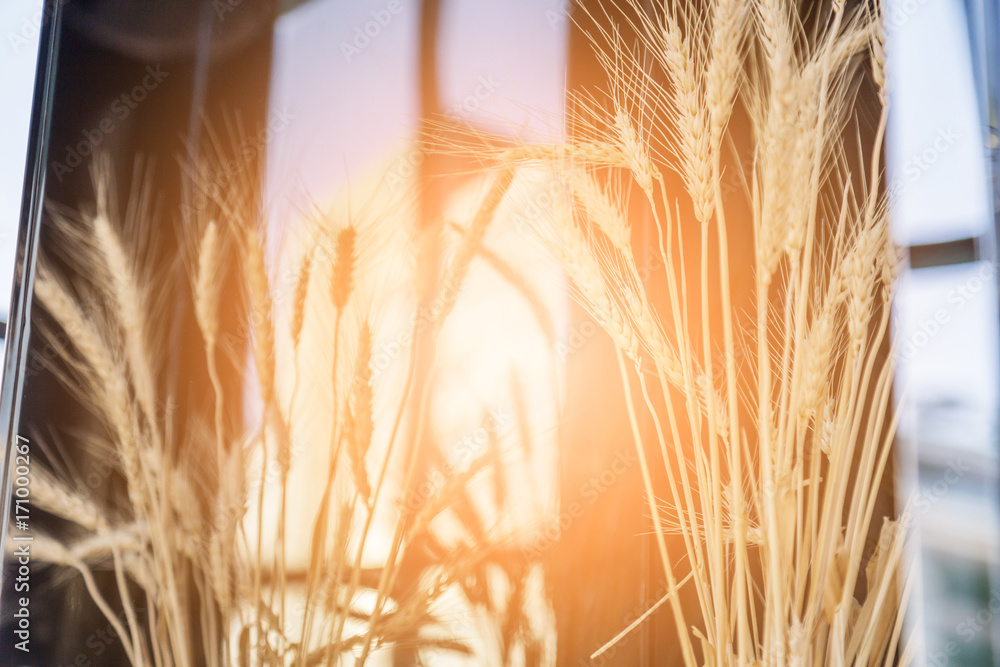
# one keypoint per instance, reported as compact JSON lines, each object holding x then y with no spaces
{"x":942,"y":166}
{"x":390,"y":65}
{"x":20,"y":23}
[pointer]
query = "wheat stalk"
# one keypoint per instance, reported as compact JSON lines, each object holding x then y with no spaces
{"x":776,"y":513}
{"x":768,"y":404}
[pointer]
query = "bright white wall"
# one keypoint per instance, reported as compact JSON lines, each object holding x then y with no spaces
{"x":19,"y":24}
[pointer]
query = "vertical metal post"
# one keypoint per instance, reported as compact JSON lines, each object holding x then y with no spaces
{"x":32,"y":198}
